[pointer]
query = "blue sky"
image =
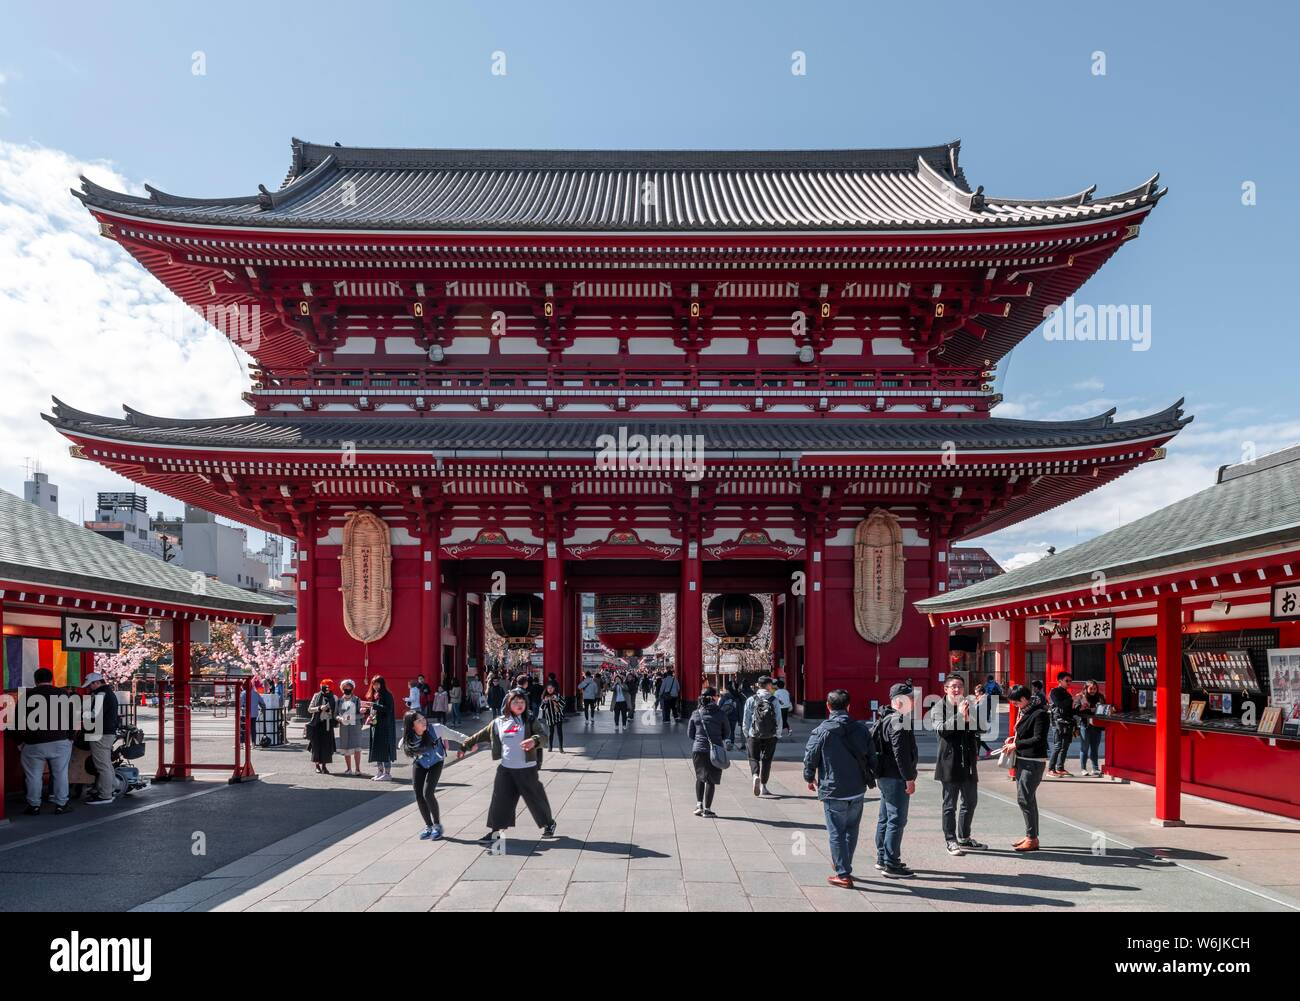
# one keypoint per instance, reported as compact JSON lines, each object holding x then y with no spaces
{"x":1202,"y":93}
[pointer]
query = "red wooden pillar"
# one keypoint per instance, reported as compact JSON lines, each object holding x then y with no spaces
{"x":460,"y":613}
{"x":690,"y":617}
{"x":1015,"y":664}
{"x":572,"y":643}
{"x":430,"y":601}
{"x":553,"y":608}
{"x":12,"y":709}
{"x":814,"y":624}
{"x":305,"y":679}
{"x":1169,"y":708}
{"x":938,"y":653}
{"x":778,"y":641}
{"x":180,"y":699}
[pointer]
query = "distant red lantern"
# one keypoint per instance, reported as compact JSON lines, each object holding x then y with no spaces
{"x":735,"y":619}
{"x":517,"y":618}
{"x":628,"y":623}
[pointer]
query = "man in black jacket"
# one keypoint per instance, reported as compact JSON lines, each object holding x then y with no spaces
{"x":839,"y":764}
{"x":1061,"y":707}
{"x":100,"y":725}
{"x":957,"y":728}
{"x":896,"y":748}
{"x":46,"y":739}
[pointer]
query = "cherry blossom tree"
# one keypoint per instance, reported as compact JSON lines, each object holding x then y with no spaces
{"x":269,"y":659}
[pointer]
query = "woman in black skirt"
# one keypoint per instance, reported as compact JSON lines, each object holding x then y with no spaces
{"x":383,"y":729}
{"x":708,"y":725}
{"x":320,"y":727}
{"x":553,"y":715}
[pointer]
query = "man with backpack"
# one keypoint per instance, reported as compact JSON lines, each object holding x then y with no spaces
{"x":589,"y":688}
{"x":669,"y":691}
{"x":895,"y":745}
{"x":762,"y":727}
{"x":839,"y":764}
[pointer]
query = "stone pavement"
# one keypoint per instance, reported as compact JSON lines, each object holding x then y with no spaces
{"x":627,"y":840}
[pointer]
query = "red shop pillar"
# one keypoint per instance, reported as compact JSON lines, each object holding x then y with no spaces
{"x":13,"y":708}
{"x":305,"y":680}
{"x":938,"y":653}
{"x":553,"y":609}
{"x":180,"y":699}
{"x":1015,"y":664}
{"x":1169,"y":706}
{"x":430,"y":602}
{"x":690,"y":617}
{"x":814,"y":619}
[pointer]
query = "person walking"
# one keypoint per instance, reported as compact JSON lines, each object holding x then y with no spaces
{"x":351,"y":737}
{"x":43,"y":742}
{"x":475,"y":687}
{"x":382,"y":724}
{"x":647,"y":686}
{"x":708,"y":727}
{"x":1029,"y":745}
{"x":787,"y":706}
{"x":425,"y":744}
{"x":956,"y":764}
{"x":454,"y":696}
{"x":436,"y":707}
{"x":895,"y":745}
{"x":496,"y":695}
{"x":516,"y":739}
{"x":624,"y":696}
{"x":669,"y":692}
{"x":762,"y":727}
{"x":839,"y":765}
{"x":733,"y":709}
{"x":322,"y":716}
{"x":589,"y":689}
{"x":553,"y":715}
{"x":1089,"y":731}
{"x":99,"y":724}
{"x":1061,"y":710}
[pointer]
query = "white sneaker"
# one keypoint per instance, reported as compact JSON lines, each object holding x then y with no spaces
{"x":699,"y":809}
{"x":757,"y":785}
{"x":768,"y":792}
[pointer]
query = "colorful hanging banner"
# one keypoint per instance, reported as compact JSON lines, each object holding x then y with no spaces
{"x":24,"y":654}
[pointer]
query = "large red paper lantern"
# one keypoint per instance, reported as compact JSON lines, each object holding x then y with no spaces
{"x":627,"y":623}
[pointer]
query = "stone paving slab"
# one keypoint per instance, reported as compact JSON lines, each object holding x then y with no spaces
{"x":628,"y":840}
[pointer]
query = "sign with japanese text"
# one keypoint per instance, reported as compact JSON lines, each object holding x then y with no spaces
{"x":1099,"y":630}
{"x":1286,"y":602}
{"x":92,"y":633}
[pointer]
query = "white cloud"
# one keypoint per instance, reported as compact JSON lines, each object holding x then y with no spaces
{"x":1024,"y":559}
{"x":80,"y":319}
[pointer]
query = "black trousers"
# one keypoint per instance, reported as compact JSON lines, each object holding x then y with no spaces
{"x":589,"y":708}
{"x":510,"y":785}
{"x":557,"y":729}
{"x":621,"y":709}
{"x":1061,"y":750}
{"x":1028,"y":776}
{"x":761,"y":752}
{"x":425,"y":781}
{"x":670,"y":706}
{"x":957,"y":825}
